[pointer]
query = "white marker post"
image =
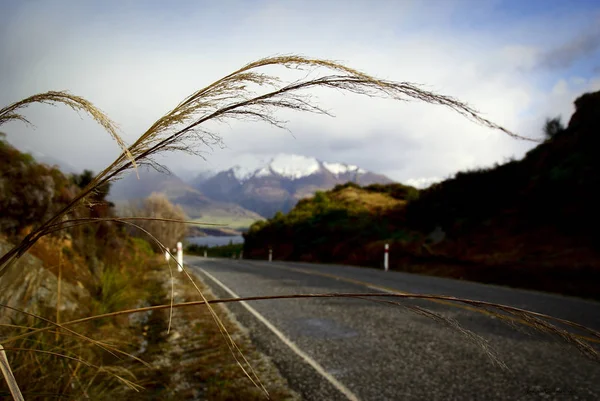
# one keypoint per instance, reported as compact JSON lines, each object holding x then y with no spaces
{"x":205,"y":253}
{"x":386,"y":257}
{"x":179,"y":256}
{"x":270,"y":255}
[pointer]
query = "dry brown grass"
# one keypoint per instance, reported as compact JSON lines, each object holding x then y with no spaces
{"x":78,"y":104}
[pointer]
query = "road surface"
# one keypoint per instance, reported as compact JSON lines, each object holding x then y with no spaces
{"x":349,"y":349}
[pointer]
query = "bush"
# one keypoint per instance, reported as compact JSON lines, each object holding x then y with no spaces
{"x":349,"y":184}
{"x":396,"y":190}
{"x":157,"y":205}
{"x":553,"y":126}
{"x":143,"y":246}
{"x":31,"y":192}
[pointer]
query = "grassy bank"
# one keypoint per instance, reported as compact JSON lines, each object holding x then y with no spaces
{"x":192,"y":361}
{"x":95,"y":269}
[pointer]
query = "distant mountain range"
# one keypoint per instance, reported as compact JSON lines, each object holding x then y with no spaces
{"x":239,"y":196}
{"x":281,"y":183}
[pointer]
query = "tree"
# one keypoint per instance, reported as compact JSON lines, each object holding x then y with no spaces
{"x":30,"y":192}
{"x":553,"y":126}
{"x":100,"y":192}
{"x":157,"y":205}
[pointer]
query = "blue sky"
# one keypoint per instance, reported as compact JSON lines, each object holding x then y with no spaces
{"x":518,"y":62}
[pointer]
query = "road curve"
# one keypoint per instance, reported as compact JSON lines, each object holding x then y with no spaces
{"x":348,"y":349}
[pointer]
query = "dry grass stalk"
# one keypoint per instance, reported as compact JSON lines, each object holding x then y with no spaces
{"x":102,"y":345}
{"x":58,"y":289}
{"x":13,"y":386}
{"x":12,"y":112}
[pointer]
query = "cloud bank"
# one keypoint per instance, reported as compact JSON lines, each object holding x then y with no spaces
{"x":137,"y":60}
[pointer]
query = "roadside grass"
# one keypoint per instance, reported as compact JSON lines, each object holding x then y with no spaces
{"x":193,"y":361}
{"x":190,"y":362}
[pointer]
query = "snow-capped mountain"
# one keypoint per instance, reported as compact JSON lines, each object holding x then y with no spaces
{"x":294,"y":167}
{"x":281,"y":183}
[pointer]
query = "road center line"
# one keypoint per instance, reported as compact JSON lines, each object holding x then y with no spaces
{"x":315,"y":365}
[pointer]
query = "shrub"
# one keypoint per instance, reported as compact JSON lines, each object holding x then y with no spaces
{"x":553,"y":126}
{"x":31,"y":192}
{"x":168,"y":233}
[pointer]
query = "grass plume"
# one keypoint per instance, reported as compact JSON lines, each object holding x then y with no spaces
{"x":77,"y":103}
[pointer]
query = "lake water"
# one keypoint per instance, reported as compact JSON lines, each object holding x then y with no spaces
{"x":211,"y":240}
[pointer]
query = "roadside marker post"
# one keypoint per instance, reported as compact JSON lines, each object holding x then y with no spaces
{"x":270,"y":254}
{"x":386,"y":257}
{"x":179,"y":256}
{"x":204,"y":253}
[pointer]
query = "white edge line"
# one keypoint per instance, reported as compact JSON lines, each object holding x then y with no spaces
{"x":334,"y":382}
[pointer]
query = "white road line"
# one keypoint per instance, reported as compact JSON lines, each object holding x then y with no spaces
{"x":334,"y":382}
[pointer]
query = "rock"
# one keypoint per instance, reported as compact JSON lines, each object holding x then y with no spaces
{"x":30,"y":287}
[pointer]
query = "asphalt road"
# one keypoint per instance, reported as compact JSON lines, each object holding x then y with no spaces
{"x":340,"y":349}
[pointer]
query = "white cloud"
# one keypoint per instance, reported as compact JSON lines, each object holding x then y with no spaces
{"x":422,"y":182}
{"x":137,"y":64}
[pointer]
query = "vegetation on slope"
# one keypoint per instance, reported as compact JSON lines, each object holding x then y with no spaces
{"x":529,"y":223}
{"x":333,"y":226}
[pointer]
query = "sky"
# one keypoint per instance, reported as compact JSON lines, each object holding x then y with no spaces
{"x":517,"y":62}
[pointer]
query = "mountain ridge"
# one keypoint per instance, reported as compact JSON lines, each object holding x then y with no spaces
{"x":239,"y":195}
{"x":282,"y":182}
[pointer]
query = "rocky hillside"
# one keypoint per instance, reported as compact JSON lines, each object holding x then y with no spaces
{"x":530,"y":223}
{"x":280,"y":184}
